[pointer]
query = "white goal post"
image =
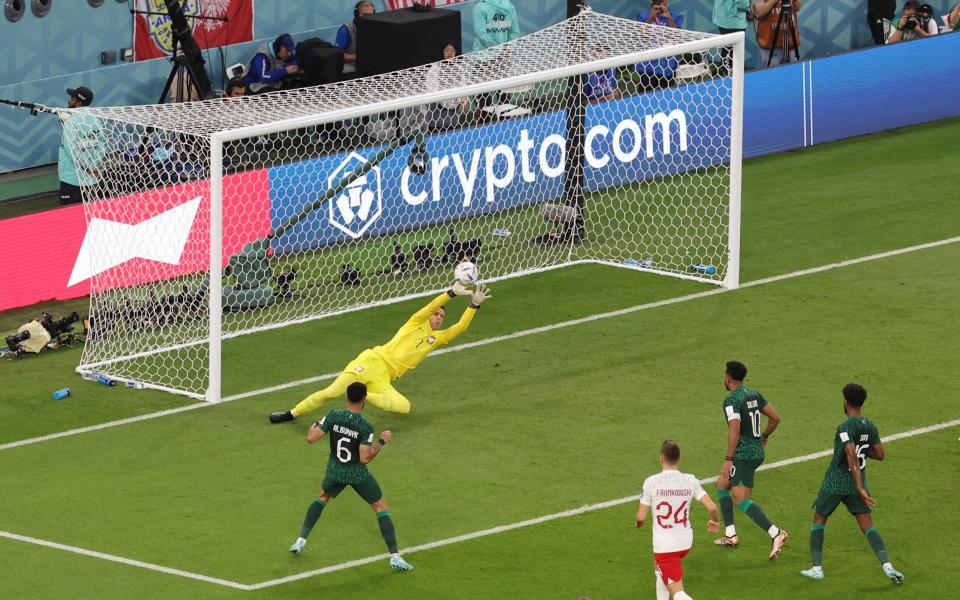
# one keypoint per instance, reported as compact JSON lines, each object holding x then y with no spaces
{"x":597,"y":140}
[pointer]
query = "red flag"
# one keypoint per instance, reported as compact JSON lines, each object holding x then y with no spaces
{"x":153,"y":37}
{"x":398,"y":4}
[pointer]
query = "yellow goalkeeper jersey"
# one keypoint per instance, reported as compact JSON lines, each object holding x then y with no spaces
{"x":416,"y":339}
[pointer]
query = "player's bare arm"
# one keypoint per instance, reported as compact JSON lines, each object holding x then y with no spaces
{"x":773,"y":420}
{"x":368,"y":453}
{"x":876,"y":452}
{"x":713,"y":525}
{"x":853,"y":463}
{"x":642,"y":514}
{"x":733,"y":438}
{"x":315,"y":433}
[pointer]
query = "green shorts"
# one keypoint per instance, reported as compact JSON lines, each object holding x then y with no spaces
{"x":743,"y":471}
{"x":368,"y":489}
{"x":827,"y":502}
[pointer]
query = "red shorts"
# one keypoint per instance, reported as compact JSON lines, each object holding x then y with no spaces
{"x":670,"y":565}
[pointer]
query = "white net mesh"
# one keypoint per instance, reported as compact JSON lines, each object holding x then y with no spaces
{"x":559,"y":147}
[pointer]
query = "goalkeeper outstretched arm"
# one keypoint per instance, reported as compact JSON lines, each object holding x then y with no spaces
{"x":477,"y":298}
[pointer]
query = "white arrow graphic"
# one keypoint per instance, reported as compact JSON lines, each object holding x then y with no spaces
{"x":108,"y":244}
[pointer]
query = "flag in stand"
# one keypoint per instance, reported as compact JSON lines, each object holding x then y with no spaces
{"x":153,"y":36}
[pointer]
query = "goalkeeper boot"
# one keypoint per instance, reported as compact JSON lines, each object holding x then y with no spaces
{"x":398,"y":564}
{"x":727,"y":540}
{"x":895,"y":575}
{"x":298,"y":545}
{"x":813,"y":573}
{"x":281,"y":417}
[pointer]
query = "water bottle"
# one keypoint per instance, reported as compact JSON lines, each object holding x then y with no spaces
{"x":99,"y":378}
{"x":136,"y":385}
{"x":501,"y":232}
{"x":706,"y":269}
{"x":61,"y":394}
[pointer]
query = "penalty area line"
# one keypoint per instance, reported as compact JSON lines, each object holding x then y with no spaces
{"x":573,"y":512}
{"x":588,"y":508}
{"x":496,"y":339}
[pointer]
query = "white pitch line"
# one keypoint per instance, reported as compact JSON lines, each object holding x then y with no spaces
{"x":568,"y":513}
{"x":496,"y":339}
{"x":430,"y":545}
{"x":122,"y":560}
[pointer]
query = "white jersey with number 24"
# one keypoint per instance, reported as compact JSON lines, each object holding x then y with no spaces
{"x":669,"y":495}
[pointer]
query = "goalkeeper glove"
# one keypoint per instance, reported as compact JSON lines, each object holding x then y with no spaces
{"x":459,"y":289}
{"x":481,"y":294}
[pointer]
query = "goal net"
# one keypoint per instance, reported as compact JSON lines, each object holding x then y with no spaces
{"x":598,"y":140}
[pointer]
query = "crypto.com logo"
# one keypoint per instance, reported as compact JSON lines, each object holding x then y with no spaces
{"x":360,"y":204}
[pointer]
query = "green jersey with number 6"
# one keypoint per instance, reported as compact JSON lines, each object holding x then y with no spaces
{"x":746,"y":405}
{"x":348,"y":431}
{"x":863,"y":434}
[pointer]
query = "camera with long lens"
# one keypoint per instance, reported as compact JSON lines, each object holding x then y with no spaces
{"x":786,"y":6}
{"x":58,"y":327}
{"x":14,"y":341}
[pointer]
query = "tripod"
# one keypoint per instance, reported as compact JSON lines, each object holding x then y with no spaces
{"x":785,"y":33}
{"x":185,"y":77}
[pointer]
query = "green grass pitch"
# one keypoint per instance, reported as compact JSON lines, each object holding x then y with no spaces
{"x":539,"y":424}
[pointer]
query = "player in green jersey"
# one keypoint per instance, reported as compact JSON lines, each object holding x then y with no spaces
{"x":745,"y":442}
{"x":856,"y":440}
{"x":351,"y":449}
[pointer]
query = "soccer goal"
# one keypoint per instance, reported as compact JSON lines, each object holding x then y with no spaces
{"x":597,"y":140}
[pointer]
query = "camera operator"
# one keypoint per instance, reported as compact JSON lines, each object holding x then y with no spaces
{"x":911,"y":25}
{"x":656,"y":74}
{"x":81,"y":148}
{"x":273,"y":67}
{"x":776,"y":47}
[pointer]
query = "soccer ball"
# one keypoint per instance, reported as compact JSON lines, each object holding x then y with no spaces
{"x":466,"y":273}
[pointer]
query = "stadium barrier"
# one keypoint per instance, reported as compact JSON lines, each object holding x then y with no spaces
{"x":788,"y":107}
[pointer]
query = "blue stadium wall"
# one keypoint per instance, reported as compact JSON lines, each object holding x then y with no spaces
{"x":44,"y":56}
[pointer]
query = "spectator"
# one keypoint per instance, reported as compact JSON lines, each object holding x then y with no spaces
{"x":272,"y":67}
{"x":494,"y":23}
{"x":656,"y":74}
{"x":451,"y":113}
{"x":880,"y":14}
{"x":236,"y":88}
{"x":81,"y":149}
{"x":347,"y":37}
{"x":910,"y":25}
{"x":776,"y":47}
{"x":601,"y":86}
{"x":730,"y":16}
{"x":928,"y":21}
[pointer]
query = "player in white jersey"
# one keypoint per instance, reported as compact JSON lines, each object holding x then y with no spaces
{"x":670,"y":494}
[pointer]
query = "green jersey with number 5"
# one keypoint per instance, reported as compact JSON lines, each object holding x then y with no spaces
{"x":863,"y":434}
{"x":348,"y":431}
{"x":746,"y":405}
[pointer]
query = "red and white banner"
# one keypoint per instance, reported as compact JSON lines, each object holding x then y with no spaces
{"x":153,"y":36}
{"x":59,"y":263}
{"x":397,"y":4}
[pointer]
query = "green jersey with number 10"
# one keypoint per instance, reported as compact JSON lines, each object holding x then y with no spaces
{"x":863,"y":434}
{"x":348,"y":431}
{"x":746,"y":404}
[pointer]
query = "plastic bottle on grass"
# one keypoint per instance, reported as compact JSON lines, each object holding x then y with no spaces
{"x":136,"y":385}
{"x":99,"y":378}
{"x":61,"y":394}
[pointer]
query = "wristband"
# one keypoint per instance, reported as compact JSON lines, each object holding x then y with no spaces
{"x":451,"y":294}
{"x":381,"y":442}
{"x":316,"y":424}
{"x":730,"y":458}
{"x":474,"y":306}
{"x":765,"y":435}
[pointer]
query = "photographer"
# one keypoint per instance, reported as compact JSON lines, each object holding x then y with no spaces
{"x":912,"y":25}
{"x":273,"y":67}
{"x":81,"y":148}
{"x":656,"y":74}
{"x":776,"y":47}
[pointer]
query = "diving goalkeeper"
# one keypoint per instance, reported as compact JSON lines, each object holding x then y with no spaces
{"x":377,"y":366}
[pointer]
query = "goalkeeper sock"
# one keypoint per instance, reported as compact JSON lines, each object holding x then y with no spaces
{"x":682,"y":595}
{"x":726,"y":509}
{"x":387,"y":531}
{"x":816,"y":544}
{"x":313,"y":514}
{"x":876,"y":542}
{"x":753,"y":510}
